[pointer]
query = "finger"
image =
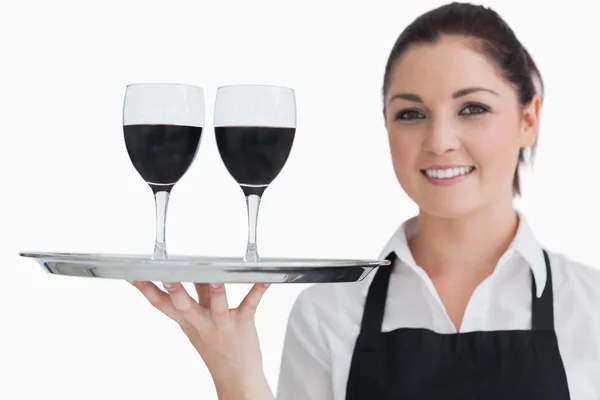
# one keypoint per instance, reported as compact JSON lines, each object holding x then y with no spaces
{"x":219,"y":307}
{"x":248,"y":306}
{"x":159,"y":299}
{"x":203,"y":291}
{"x":187,"y":306}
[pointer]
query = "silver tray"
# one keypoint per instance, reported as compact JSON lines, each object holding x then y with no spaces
{"x":199,"y":269}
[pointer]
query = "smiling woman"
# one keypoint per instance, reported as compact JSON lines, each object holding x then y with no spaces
{"x":474,"y":306}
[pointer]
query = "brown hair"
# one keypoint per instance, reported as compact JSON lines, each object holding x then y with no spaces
{"x":490,"y":35}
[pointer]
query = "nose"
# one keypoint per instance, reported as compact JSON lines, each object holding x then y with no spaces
{"x":440,"y":138}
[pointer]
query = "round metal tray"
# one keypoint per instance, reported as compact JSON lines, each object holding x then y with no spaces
{"x":200,"y":269}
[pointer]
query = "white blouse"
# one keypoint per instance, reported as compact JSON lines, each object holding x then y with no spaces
{"x":325,"y":320}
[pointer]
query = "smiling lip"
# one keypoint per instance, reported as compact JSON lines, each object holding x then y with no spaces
{"x":439,"y":181}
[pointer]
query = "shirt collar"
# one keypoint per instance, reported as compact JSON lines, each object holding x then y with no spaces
{"x":524,"y":244}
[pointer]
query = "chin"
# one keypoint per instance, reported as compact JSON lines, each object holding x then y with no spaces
{"x":459,"y":204}
{"x":452,"y":204}
{"x":446,"y":208}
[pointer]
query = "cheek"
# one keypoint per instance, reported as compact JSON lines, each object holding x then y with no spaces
{"x":495,"y":150}
{"x":404,"y":148}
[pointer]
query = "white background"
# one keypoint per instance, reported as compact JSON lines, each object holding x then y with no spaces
{"x":68,"y":185}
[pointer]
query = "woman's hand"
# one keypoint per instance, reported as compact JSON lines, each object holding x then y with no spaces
{"x":225,"y":338}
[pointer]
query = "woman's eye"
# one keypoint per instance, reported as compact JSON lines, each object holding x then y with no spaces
{"x":409,"y":115}
{"x":473,"y":109}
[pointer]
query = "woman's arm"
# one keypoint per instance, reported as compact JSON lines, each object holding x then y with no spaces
{"x":305,"y":367}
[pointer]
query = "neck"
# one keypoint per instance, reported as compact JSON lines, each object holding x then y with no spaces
{"x":468,"y":246}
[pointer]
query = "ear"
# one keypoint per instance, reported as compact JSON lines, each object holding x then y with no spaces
{"x":530,"y":123}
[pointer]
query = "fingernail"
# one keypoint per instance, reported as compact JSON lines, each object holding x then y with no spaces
{"x":215,"y":285}
{"x":168,"y":285}
{"x":266,"y":285}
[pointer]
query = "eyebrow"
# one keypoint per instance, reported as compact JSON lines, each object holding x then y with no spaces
{"x":455,"y":95}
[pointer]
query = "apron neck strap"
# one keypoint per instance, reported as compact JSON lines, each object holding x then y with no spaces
{"x":376,"y":298}
{"x":542,"y":309}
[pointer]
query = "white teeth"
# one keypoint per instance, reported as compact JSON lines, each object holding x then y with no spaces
{"x":448,"y":173}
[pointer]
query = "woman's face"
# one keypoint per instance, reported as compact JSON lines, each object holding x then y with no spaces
{"x":455,"y":128}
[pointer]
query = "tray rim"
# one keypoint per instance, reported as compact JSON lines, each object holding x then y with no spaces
{"x":127,"y":260}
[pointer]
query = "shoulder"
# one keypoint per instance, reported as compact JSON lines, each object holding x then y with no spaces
{"x":574,"y":279}
{"x":329,"y":299}
{"x":576,"y":288}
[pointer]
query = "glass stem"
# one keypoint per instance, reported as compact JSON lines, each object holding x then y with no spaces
{"x":253,"y":203}
{"x":161,"y":200}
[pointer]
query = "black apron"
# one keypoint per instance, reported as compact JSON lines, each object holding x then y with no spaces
{"x":415,"y":364}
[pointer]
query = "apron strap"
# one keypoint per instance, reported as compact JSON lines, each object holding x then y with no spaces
{"x":376,"y":298}
{"x":542,"y":309}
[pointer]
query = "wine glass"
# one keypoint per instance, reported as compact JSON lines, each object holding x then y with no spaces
{"x":255,"y":127}
{"x":162,"y":124}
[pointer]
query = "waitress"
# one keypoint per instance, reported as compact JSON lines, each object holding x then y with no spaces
{"x":474,"y":307}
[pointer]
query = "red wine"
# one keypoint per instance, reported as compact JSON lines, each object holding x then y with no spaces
{"x":162,"y":153}
{"x":254,"y":155}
